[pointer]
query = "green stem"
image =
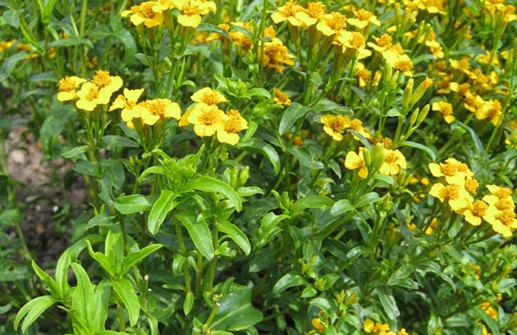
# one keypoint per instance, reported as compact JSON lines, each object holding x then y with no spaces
{"x":183,"y":249}
{"x":120,"y":314}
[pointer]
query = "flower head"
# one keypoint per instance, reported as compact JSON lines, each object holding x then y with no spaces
{"x":67,"y":88}
{"x":356,"y":161}
{"x":128,"y":103}
{"x":208,"y":96}
{"x":90,"y":96}
{"x":207,"y":119}
{"x":144,"y":14}
{"x":159,"y":109}
{"x":394,"y":160}
{"x":281,"y":98}
{"x":233,"y":123}
{"x":335,"y":125}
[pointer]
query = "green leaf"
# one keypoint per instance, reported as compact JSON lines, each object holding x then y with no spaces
{"x":236,"y":235}
{"x":6,"y":308}
{"x":287,"y":281}
{"x":11,"y":62}
{"x":200,"y":235}
{"x":188,"y":303}
{"x":213,"y":29}
{"x":311,"y":201}
{"x":366,"y":199}
{"x":266,"y":149}
{"x":32,"y":310}
{"x":269,"y":227}
{"x":125,"y":37}
{"x":477,"y":142}
{"x":388,"y":302}
{"x":74,"y":152}
{"x":136,"y":257}
{"x":131,"y":204}
{"x":126,"y":293}
{"x":102,"y":259}
{"x":235,"y":310}
{"x":62,"y":267}
{"x":291,"y":114}
{"x":209,"y":184}
{"x":305,"y":157}
{"x":102,"y":297}
{"x":49,"y":281}
{"x":83,"y":298}
{"x":118,"y":141}
{"x":421,"y":147}
{"x":70,"y":42}
{"x":256,"y":92}
{"x":481,"y":314}
{"x":12,"y":17}
{"x":341,"y":207}
{"x":162,"y":206}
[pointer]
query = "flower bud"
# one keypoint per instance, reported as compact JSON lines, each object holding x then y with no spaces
{"x":408,"y":92}
{"x":423,"y":114}
{"x":420,"y":90}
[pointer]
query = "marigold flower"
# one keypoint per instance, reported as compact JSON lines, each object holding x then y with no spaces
{"x":144,"y":14}
{"x":233,"y":123}
{"x":475,"y":212}
{"x":281,"y":98}
{"x":368,"y":326}
{"x":207,"y":119}
{"x":191,"y":11}
{"x":158,"y":109}
{"x":453,"y":170}
{"x":107,"y":84}
{"x":394,"y":160}
{"x":432,"y":226}
{"x":318,"y":325}
{"x":353,"y":42}
{"x":275,"y":55}
{"x":331,"y":24}
{"x":445,"y":109}
{"x":355,"y":161}
{"x":287,"y":12}
{"x":491,"y":110}
{"x":67,"y":87}
{"x":208,"y":96}
{"x":455,"y":195}
{"x":363,"y":18}
{"x":335,"y":126}
{"x":90,"y":96}
{"x":128,"y":103}
{"x":382,"y":43}
{"x":503,"y":222}
{"x":312,"y":14}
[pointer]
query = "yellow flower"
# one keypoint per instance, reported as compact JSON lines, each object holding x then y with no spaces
{"x":144,"y":14}
{"x":318,"y":325}
{"x":275,"y":55}
{"x":281,"y":98}
{"x":445,"y":109}
{"x":311,"y":15}
{"x":207,"y":119}
{"x":233,"y":123}
{"x":159,"y":109}
{"x":363,"y":75}
{"x":239,"y":38}
{"x":287,"y":12}
{"x":107,"y":84}
{"x":363,"y":18}
{"x":352,"y":42}
{"x":432,"y":226}
{"x":503,"y":222}
{"x":354,"y":161}
{"x":475,"y":212}
{"x":191,"y":11}
{"x":128,"y":104}
{"x":456,"y":196}
{"x":67,"y":87}
{"x":335,"y":126}
{"x":453,"y":170}
{"x":331,"y":24}
{"x":491,"y":110}
{"x":208,"y":96}
{"x":394,"y":160}
{"x":368,"y":326}
{"x":381,"y":44}
{"x":90,"y":96}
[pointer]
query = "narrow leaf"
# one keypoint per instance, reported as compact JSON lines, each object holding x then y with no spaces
{"x":32,"y":310}
{"x":163,"y":205}
{"x":291,"y":114}
{"x":267,"y":150}
{"x":200,"y":235}
{"x":287,"y":281}
{"x":131,"y":204}
{"x":126,"y":293}
{"x":83,"y":298}
{"x":138,"y":256}
{"x":312,"y":201}
{"x":236,"y":235}
{"x":388,"y":302}
{"x":421,"y":147}
{"x":209,"y":184}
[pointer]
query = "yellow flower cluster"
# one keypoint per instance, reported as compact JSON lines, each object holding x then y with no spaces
{"x":208,"y":119}
{"x":97,"y":91}
{"x":151,"y":13}
{"x":348,"y":35}
{"x":336,"y":125}
{"x":378,"y":328}
{"x":457,"y":188}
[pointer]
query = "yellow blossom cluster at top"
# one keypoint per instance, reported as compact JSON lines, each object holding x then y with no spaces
{"x":151,"y":13}
{"x":378,"y":328}
{"x":208,"y":119}
{"x":456,"y":189}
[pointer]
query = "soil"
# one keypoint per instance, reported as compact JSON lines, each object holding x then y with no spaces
{"x":47,"y":207}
